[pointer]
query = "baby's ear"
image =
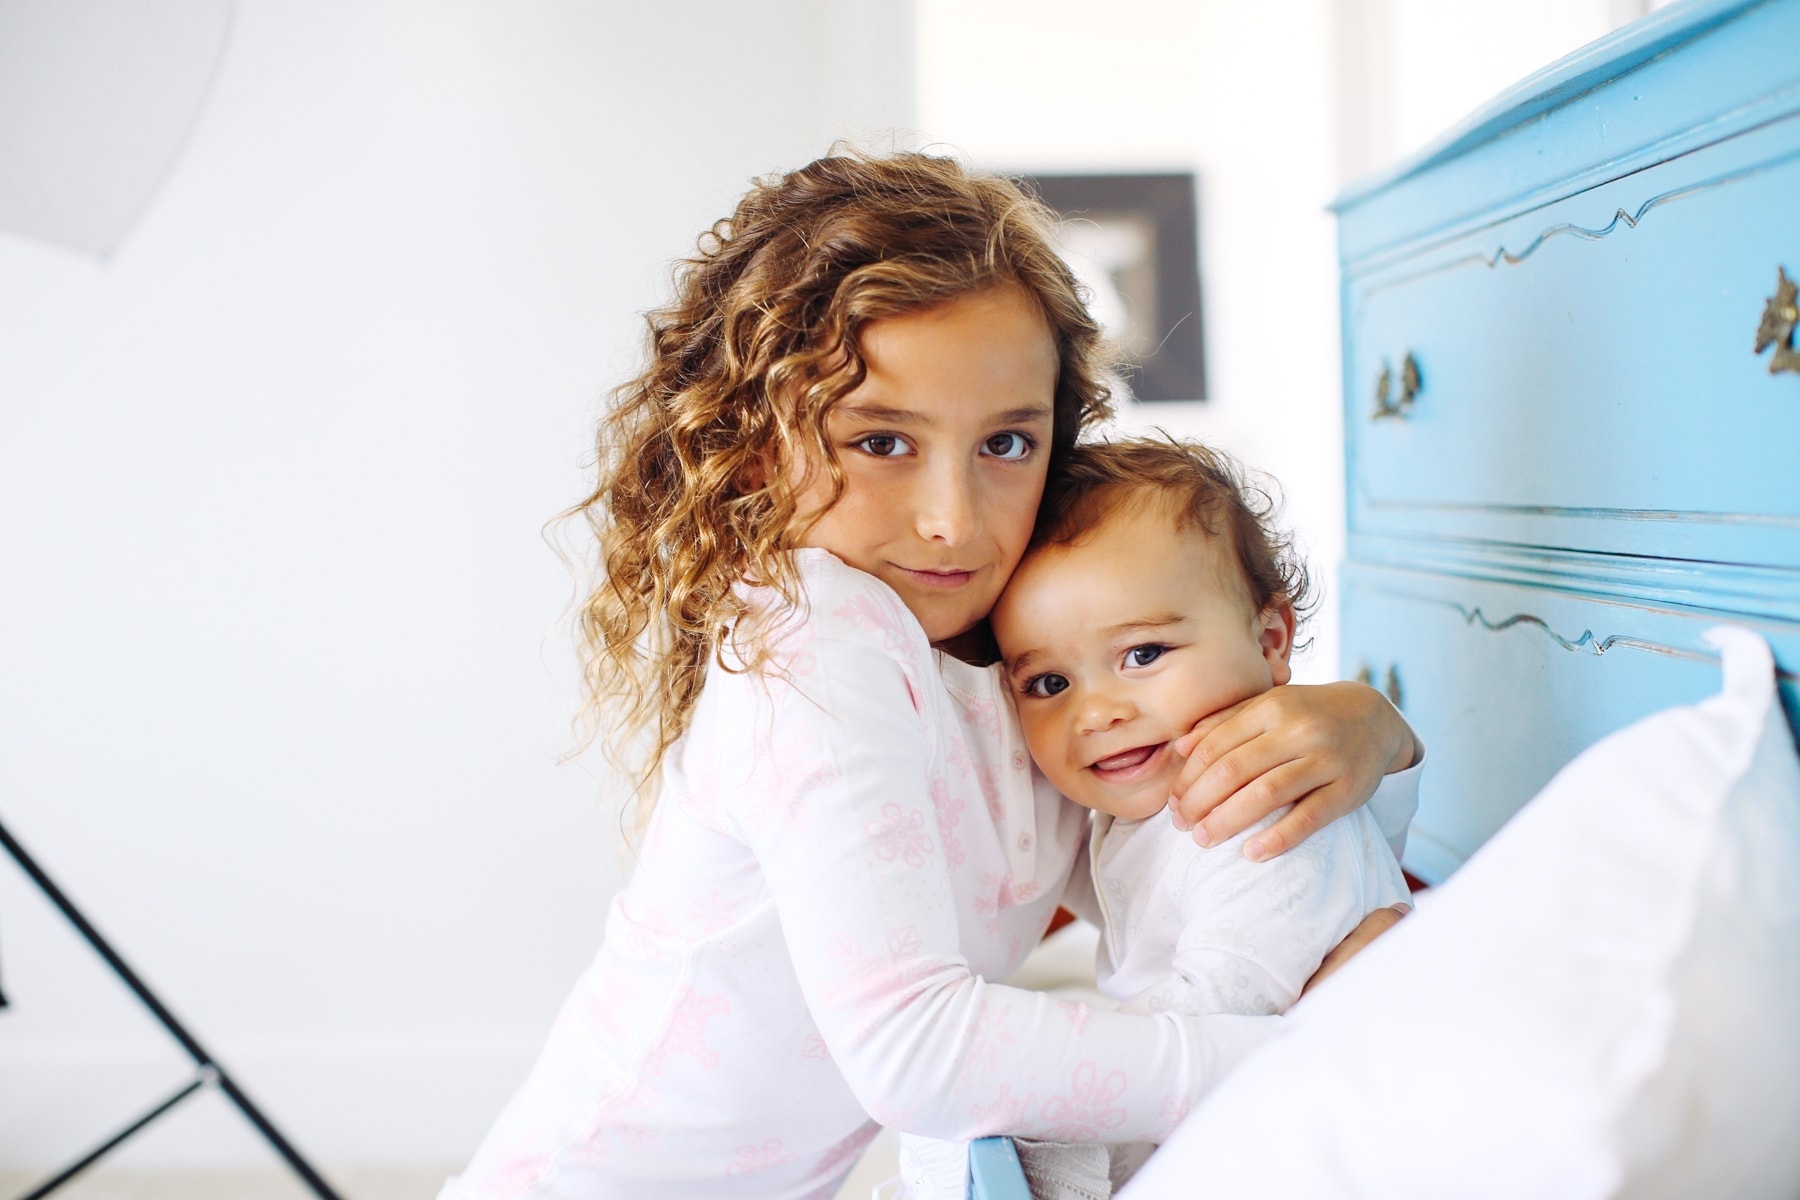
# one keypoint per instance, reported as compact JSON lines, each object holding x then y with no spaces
{"x":1275,"y":634}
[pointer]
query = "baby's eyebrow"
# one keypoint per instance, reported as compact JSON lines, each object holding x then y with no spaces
{"x":1022,"y":663}
{"x":1162,"y":621}
{"x":1029,"y":659}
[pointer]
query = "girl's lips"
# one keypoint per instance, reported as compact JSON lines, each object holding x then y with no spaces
{"x":938,"y":579}
{"x":1129,"y":764}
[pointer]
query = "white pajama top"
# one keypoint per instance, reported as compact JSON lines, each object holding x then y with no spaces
{"x":848,"y":844}
{"x":1194,"y":929}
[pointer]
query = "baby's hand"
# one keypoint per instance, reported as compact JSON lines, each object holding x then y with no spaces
{"x":1322,"y":748}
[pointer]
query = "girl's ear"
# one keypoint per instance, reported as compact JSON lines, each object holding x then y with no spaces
{"x":758,"y":469}
{"x":753,"y":475}
{"x":1275,"y":635}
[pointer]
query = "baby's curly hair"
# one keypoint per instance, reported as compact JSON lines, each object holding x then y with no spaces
{"x":1202,"y":487}
{"x":702,"y":456}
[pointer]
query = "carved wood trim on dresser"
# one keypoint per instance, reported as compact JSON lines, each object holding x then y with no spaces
{"x":1572,"y":404}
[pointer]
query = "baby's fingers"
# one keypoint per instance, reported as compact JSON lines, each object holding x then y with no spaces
{"x":1203,"y":784}
{"x":1253,"y":801}
{"x":1202,"y":730}
{"x":1312,"y":812}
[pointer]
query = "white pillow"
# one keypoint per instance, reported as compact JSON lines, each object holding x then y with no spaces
{"x":1605,"y":1001}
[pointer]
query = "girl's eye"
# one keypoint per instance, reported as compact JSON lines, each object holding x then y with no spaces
{"x":1045,"y":686}
{"x":1143,"y":656}
{"x":1009,"y":446}
{"x":882,"y":445}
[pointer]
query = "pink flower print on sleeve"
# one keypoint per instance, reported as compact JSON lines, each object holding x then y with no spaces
{"x":687,"y":1032}
{"x":709,"y":912}
{"x":520,"y":1175}
{"x":992,"y":1032}
{"x":1076,"y":1011}
{"x":867,"y":980}
{"x":956,"y":753}
{"x":899,"y":835}
{"x":949,"y":809}
{"x":798,"y":765}
{"x":889,"y":621}
{"x":848,"y":1150}
{"x":990,"y":792}
{"x":996,"y":893}
{"x":1005,"y":1113}
{"x":640,"y":934}
{"x":902,"y":944}
{"x":1087,"y":1111}
{"x":751,"y":1159}
{"x":814,"y":1047}
{"x":984,"y":715}
{"x":606,"y":1012}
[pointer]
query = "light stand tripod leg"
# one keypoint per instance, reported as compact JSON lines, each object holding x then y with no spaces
{"x":98,"y":1152}
{"x":208,"y":1069}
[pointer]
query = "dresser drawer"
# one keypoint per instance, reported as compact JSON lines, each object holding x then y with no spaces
{"x":1507,"y":683}
{"x":1585,"y":370}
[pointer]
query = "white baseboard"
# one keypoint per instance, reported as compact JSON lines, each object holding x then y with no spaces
{"x":394,"y":1102}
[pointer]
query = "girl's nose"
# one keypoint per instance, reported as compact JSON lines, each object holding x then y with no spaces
{"x":947,"y":507}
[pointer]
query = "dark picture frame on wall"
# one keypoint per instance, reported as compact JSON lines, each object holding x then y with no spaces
{"x":1134,"y":240}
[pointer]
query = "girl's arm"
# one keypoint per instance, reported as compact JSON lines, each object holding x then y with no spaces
{"x":1323,"y":748}
{"x":842,"y":812}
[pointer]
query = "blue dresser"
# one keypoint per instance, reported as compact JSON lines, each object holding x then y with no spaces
{"x":1572,"y":404}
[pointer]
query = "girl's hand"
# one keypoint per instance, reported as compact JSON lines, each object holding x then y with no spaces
{"x":1322,"y":748}
{"x":1372,"y":927}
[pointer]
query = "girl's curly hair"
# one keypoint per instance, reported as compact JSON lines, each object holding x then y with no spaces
{"x":699,"y":455}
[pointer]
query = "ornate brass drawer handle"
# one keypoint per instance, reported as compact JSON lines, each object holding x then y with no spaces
{"x":1365,"y":675}
{"x":1777,"y":328}
{"x":1411,"y":383}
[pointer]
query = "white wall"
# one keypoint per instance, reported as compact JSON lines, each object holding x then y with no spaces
{"x":284,"y":675}
{"x":1239,"y":93}
{"x":1275,"y":106}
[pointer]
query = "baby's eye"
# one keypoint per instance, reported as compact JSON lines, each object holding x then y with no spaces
{"x":1009,"y":446}
{"x":882,"y":445}
{"x":1045,"y":686}
{"x":1143,"y":656}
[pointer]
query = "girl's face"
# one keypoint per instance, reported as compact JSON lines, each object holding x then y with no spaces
{"x":944,"y":448}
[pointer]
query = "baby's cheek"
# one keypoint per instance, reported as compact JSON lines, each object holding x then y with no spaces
{"x":1041,"y":738}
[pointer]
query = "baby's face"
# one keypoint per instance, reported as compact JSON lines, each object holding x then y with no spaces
{"x":1117,"y":646}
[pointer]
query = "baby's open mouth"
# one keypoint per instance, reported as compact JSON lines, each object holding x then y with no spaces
{"x":1126,"y":762}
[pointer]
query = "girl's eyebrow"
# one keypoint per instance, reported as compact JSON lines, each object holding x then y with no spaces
{"x":908,"y":417}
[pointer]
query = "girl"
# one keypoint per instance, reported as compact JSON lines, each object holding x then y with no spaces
{"x":807,"y":506}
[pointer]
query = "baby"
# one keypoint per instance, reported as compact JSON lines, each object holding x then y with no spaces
{"x":1155,"y":593}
